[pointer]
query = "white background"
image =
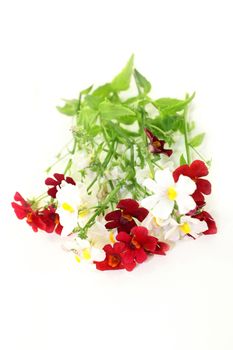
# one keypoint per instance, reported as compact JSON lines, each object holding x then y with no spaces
{"x":51,"y":50}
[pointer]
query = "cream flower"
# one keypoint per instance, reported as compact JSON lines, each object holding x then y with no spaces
{"x":187,"y":225}
{"x":99,"y":236}
{"x":167,"y":193}
{"x":68,"y":198}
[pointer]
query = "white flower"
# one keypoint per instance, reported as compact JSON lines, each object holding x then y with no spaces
{"x":167,"y":193}
{"x":83,"y":250}
{"x":187,"y":225}
{"x":68,"y":198}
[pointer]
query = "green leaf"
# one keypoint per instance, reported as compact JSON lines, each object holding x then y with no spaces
{"x":172,"y":105}
{"x":103,"y":90}
{"x":142,"y":82}
{"x":86,"y":91}
{"x":94,"y":130}
{"x":122,"y":81}
{"x":70,"y":108}
{"x":88,"y":117}
{"x":93,"y":101}
{"x":182,"y":160}
{"x":111,"y":111}
{"x":197,"y":140}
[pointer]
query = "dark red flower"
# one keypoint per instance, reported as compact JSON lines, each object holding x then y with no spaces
{"x":46,"y":219}
{"x":157,"y":146}
{"x":138,"y":245}
{"x":57,"y":182}
{"x":50,"y":219}
{"x":204,"y":216}
{"x":113,"y":259}
{"x":196,"y":171}
{"x":123,"y":219}
{"x":25,"y":211}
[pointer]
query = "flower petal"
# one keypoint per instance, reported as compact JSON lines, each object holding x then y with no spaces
{"x":163,"y":208}
{"x":198,"y":169}
{"x":203,"y":186}
{"x":123,"y":237}
{"x":185,"y":204}
{"x":150,"y":201}
{"x":185,"y":185}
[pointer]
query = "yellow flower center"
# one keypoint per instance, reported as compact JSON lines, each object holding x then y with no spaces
{"x":77,"y":258}
{"x":111,"y":237}
{"x":171,"y":193}
{"x":185,"y":228}
{"x":66,"y":206}
{"x":84,"y":212}
{"x":86,"y":254}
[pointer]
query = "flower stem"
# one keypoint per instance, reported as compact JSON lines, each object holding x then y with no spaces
{"x":186,"y":141}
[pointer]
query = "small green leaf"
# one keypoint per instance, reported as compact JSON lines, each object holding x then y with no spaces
{"x":93,"y":101}
{"x":197,"y":140}
{"x":70,"y":108}
{"x":182,"y":160}
{"x":142,"y":82}
{"x":103,"y":90}
{"x":122,"y":81}
{"x":86,"y":91}
{"x":94,"y":130}
{"x":172,"y":105}
{"x":111,"y":111}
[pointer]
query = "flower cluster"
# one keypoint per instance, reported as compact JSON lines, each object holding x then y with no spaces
{"x":130,"y":193}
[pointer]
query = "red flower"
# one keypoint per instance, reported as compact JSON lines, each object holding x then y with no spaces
{"x":25,"y":211}
{"x":57,"y":182}
{"x":46,"y":219}
{"x":204,"y":216}
{"x":113,"y":259}
{"x":196,"y":171}
{"x":157,"y":146}
{"x":123,"y":219}
{"x":51,"y":220}
{"x":138,"y":245}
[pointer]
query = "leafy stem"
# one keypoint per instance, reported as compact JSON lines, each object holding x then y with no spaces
{"x":186,"y":140}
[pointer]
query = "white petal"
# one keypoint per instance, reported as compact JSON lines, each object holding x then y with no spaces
{"x":185,"y":203}
{"x":151,"y":185}
{"x":198,"y":226}
{"x":173,"y":234}
{"x":185,"y":185}
{"x":97,"y":254}
{"x":164,"y":178}
{"x":163,"y":208}
{"x":150,"y":201}
{"x":82,"y":243}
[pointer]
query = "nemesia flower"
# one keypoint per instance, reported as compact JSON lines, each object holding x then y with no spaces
{"x":124,"y":218}
{"x":99,"y":236}
{"x":113,"y":259}
{"x":196,"y":171}
{"x":161,"y":248}
{"x":167,"y":193}
{"x":187,"y":226}
{"x":45,"y":219}
{"x":55,"y":183}
{"x":25,"y":211}
{"x":138,"y":245}
{"x":157,"y":146}
{"x":84,"y":251}
{"x":204,"y":216}
{"x":68,"y":201}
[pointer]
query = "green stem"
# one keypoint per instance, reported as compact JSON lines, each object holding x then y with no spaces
{"x":186,"y":140}
{"x":198,"y":153}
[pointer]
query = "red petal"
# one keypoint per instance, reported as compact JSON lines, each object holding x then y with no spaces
{"x":130,"y":206}
{"x":59,"y":177}
{"x":20,"y":212}
{"x":113,"y":215}
{"x":168,"y":152}
{"x":204,"y":216}
{"x":161,"y":248}
{"x":140,"y":255}
{"x":198,"y":169}
{"x":111,"y":224}
{"x":141,"y":214}
{"x":141,"y":234}
{"x":51,"y":182}
{"x":52,"y":192}
{"x":203,"y":186}
{"x":123,"y":237}
{"x":119,"y":247}
{"x":182,"y":170}
{"x":150,"y":244}
{"x":69,"y":180}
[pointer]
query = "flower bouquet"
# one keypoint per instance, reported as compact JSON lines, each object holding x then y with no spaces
{"x":127,"y":186}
